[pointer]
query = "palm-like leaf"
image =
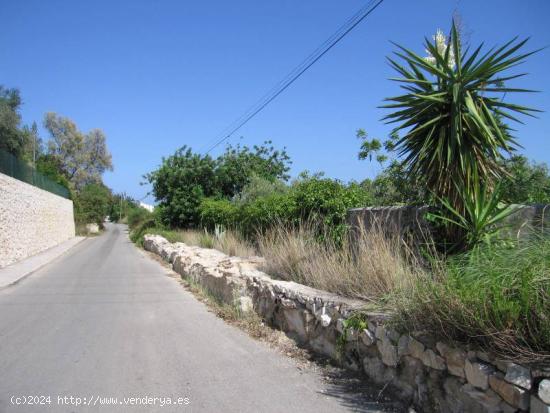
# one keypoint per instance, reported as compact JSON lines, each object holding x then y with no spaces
{"x":451,"y":114}
{"x":481,"y":215}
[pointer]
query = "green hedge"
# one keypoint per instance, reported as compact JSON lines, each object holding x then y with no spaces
{"x":323,"y":200}
{"x":214,"y":212}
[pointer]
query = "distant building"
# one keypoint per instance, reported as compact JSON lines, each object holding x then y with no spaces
{"x":147,"y":206}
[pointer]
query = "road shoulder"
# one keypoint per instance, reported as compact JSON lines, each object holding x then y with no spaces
{"x":14,"y":273}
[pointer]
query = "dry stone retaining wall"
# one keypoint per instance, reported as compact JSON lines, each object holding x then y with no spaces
{"x":31,"y":220}
{"x":430,"y":375}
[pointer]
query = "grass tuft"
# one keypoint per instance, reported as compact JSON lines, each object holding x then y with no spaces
{"x":497,"y":297}
{"x":370,"y":267}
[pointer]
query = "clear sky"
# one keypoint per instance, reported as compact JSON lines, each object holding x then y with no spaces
{"x":156,"y":75}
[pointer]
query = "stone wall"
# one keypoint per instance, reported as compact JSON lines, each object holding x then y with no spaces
{"x":432,"y":376}
{"x":31,"y":220}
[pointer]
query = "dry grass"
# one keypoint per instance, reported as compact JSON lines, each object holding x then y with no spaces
{"x":229,"y":242}
{"x":370,"y":267}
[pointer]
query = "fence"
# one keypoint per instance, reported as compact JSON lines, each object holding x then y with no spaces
{"x":16,"y":168}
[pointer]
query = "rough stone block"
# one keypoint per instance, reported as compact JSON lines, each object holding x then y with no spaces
{"x":432,"y":360}
{"x":478,"y":374}
{"x":455,"y":359}
{"x":325,"y":320}
{"x":544,"y":391}
{"x":340,"y":325}
{"x":403,"y":345}
{"x":538,"y":406}
{"x":367,"y":337}
{"x":245,"y":304}
{"x":388,"y":352}
{"x":519,"y":375}
{"x":511,"y":394}
{"x":416,"y":348}
{"x":377,"y":371}
{"x":476,"y":401}
{"x":380,"y":332}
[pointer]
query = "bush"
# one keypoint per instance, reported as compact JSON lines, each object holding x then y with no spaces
{"x":328,"y":201}
{"x":141,"y":228}
{"x":324,"y":201}
{"x":186,"y":178}
{"x":92,"y":204}
{"x":497,"y":297}
{"x":259,"y":187}
{"x":138,"y":215}
{"x":266,"y":212}
{"x":218,"y":212}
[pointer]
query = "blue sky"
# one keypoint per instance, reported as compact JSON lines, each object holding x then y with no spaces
{"x":157,"y":75}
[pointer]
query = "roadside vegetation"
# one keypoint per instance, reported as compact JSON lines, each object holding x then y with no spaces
{"x":452,"y":148}
{"x":69,"y":157}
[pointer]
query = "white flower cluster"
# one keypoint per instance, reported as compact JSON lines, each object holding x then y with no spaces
{"x":441,"y":43}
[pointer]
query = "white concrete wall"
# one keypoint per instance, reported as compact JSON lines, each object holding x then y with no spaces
{"x":31,"y":220}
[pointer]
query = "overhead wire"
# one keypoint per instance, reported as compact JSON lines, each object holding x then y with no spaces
{"x":298,"y":71}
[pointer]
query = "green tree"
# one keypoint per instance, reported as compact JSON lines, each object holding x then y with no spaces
{"x":180,"y":183}
{"x":50,"y":167}
{"x":450,"y":114}
{"x":259,"y":187}
{"x":83,"y":157}
{"x":184,"y":179}
{"x":12,"y":139}
{"x":92,"y":204}
{"x":525,"y":182}
{"x":238,"y":164}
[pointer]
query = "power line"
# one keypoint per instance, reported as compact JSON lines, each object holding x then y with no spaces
{"x":299,"y":67}
{"x":280,"y":87}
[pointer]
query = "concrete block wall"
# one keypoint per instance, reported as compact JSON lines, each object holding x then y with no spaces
{"x":31,"y":220}
{"x":409,"y":221}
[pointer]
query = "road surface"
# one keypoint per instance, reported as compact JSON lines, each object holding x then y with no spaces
{"x":104,"y":324}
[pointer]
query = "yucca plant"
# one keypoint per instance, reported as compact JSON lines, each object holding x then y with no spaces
{"x":453,"y":111}
{"x":481,"y":219}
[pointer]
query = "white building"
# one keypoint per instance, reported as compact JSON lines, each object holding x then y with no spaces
{"x":147,"y":206}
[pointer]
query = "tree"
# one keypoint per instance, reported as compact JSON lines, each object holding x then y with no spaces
{"x":50,"y":167}
{"x":526,"y":182}
{"x":450,"y":114}
{"x":83,"y":157}
{"x":185,"y":178}
{"x":12,"y":139}
{"x":180,"y":183}
{"x":92,"y":204}
{"x":237,"y":165}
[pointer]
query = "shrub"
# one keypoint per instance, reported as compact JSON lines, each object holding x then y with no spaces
{"x":259,"y":187}
{"x":137,"y":216}
{"x":50,"y":166}
{"x":218,"y":212}
{"x":265,"y":212}
{"x":184,"y":179}
{"x":92,"y":204}
{"x":141,"y":228}
{"x":328,"y":201}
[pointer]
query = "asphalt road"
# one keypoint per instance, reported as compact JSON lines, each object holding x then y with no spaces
{"x":103,"y":323}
